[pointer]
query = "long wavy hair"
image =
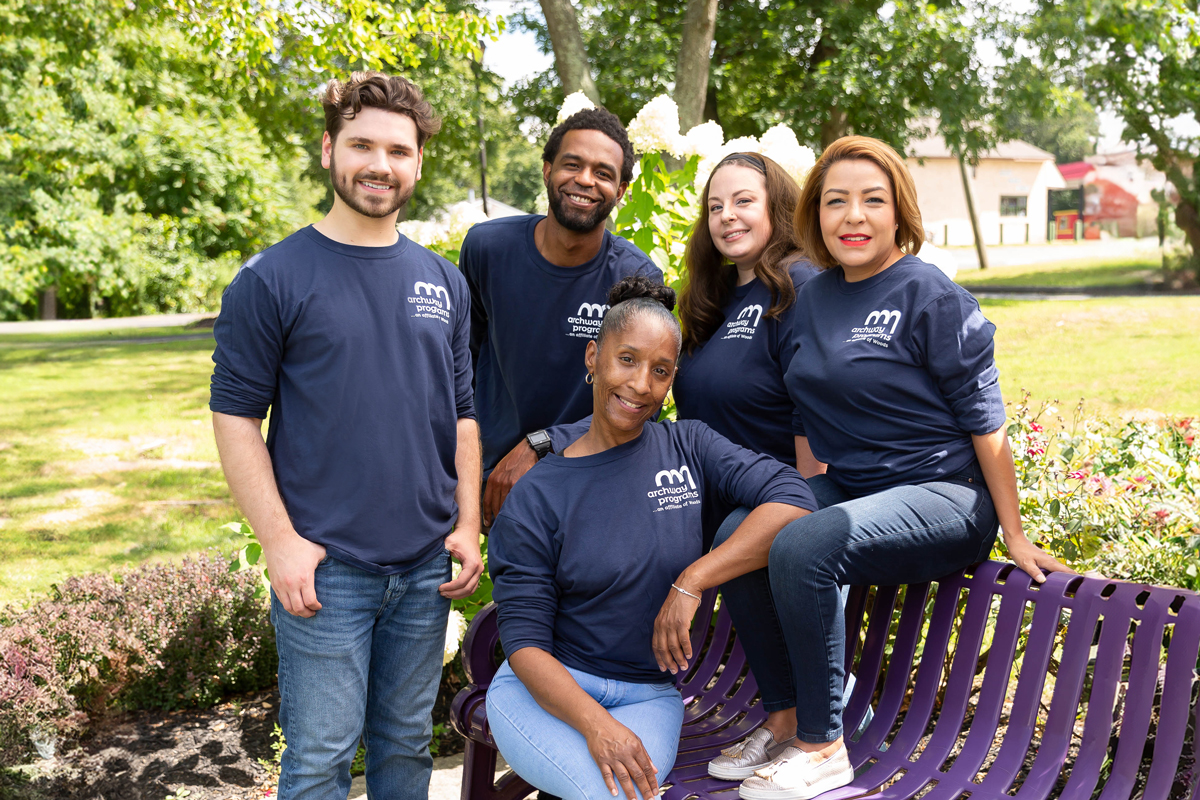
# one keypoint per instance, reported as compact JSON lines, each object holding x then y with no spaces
{"x":711,"y":278}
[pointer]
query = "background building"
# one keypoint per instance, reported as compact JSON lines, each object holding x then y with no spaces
{"x":1009,"y":185}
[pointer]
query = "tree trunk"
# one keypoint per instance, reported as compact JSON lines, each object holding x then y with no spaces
{"x":835,"y":127}
{"x":979,"y":248}
{"x":570,"y":56}
{"x":695,"y":54}
{"x":50,"y":303}
{"x":1188,"y":220}
{"x":711,"y":110}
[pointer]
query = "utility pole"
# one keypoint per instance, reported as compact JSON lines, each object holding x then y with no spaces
{"x":477,"y":67}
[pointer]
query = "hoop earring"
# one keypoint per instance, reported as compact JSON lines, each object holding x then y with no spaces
{"x":588,"y":379}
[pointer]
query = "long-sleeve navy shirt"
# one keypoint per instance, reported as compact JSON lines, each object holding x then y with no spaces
{"x":584,"y":551}
{"x":361,"y":355}
{"x":892,"y":375}
{"x":530,"y":324}
{"x":734,"y":381}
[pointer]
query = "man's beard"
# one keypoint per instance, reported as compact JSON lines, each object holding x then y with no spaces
{"x":358,"y":200}
{"x":574,"y":220}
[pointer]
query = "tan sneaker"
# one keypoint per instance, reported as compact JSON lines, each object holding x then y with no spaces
{"x":794,"y":777}
{"x":754,"y":752}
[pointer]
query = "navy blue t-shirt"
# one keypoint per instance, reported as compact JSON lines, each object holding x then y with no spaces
{"x":584,"y":551}
{"x":892,"y":375}
{"x":530,"y":324}
{"x":362,"y":357}
{"x":734,"y":381}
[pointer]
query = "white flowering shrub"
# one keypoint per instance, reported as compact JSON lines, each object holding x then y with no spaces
{"x":456,"y":629}
{"x":572,"y":105}
{"x":655,"y":129}
{"x":445,"y":234}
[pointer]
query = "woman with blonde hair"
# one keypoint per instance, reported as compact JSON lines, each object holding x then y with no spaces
{"x":897,"y":391}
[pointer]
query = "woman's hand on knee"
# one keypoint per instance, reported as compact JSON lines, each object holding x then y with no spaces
{"x":672,"y":641}
{"x":622,"y":759}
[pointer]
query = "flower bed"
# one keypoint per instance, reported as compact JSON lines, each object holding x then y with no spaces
{"x":1120,"y":498}
{"x":161,"y":636}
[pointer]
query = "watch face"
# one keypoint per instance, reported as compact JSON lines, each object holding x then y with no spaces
{"x":540,"y":442}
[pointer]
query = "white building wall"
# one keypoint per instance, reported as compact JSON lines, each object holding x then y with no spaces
{"x":944,"y":207}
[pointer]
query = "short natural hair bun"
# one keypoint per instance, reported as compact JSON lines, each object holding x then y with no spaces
{"x":636,"y":296}
{"x":636,"y":286}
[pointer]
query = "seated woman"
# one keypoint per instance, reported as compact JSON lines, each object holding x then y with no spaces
{"x":588,"y":546}
{"x":897,"y":391}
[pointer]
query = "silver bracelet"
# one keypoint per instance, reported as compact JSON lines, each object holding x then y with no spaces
{"x":684,"y":591}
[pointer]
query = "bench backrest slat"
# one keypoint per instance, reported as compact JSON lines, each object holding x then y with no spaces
{"x":987,"y":695}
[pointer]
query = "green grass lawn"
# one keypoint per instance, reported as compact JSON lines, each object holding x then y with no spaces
{"x":1121,"y":354}
{"x":1124,"y":271}
{"x":107,"y":457}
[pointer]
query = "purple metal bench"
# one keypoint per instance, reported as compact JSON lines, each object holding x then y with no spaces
{"x":985,"y":685}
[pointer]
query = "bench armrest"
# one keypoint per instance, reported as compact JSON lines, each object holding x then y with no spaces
{"x":479,"y":647}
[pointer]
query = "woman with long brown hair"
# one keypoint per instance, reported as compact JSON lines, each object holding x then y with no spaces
{"x":737,"y":311}
{"x":743,"y":270}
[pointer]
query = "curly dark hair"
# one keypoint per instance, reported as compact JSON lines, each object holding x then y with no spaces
{"x":635,"y":295}
{"x":370,"y":89}
{"x":593,"y":119}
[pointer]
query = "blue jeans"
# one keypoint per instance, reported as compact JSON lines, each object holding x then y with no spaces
{"x":554,"y":757}
{"x":908,"y":534}
{"x":367,"y":665}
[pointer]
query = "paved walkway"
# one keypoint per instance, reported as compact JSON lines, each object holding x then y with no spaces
{"x":107,"y":324}
{"x":446,"y":783}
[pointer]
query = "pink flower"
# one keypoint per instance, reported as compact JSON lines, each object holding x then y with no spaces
{"x":1037,"y":450}
{"x":1033,"y":426}
{"x":1162,"y":514}
{"x":1078,"y":474}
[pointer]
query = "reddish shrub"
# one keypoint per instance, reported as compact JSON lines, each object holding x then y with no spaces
{"x":163,"y":636}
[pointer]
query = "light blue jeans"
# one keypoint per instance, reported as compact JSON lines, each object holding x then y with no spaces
{"x":554,"y":757}
{"x":367,"y":665}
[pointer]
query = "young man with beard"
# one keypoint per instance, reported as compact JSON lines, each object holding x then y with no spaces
{"x":538,"y":288}
{"x":358,"y":343}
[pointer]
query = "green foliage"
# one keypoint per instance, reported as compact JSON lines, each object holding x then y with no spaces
{"x":1140,"y":58}
{"x":331,"y":37}
{"x":884,"y":66}
{"x":128,"y":178}
{"x":1067,"y":128}
{"x":658,"y":213}
{"x":1120,"y":498}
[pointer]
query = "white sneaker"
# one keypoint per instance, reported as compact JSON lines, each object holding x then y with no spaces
{"x":794,"y":777}
{"x":754,"y":752}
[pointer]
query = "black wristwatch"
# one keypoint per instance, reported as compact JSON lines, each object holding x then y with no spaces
{"x":540,"y":442}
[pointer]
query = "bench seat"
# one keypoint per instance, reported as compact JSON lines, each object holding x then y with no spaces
{"x":985,"y":685}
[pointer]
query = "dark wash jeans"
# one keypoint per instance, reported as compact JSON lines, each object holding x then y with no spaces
{"x":790,"y":614}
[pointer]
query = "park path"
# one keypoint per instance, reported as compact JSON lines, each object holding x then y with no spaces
{"x":100,"y":325}
{"x":446,"y":783}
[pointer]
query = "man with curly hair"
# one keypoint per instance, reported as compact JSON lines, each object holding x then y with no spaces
{"x":538,"y":287}
{"x":357,"y":341}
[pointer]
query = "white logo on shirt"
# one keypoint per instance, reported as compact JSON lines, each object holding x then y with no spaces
{"x":586,"y":322}
{"x":883,"y":318}
{"x":433,"y":290}
{"x":430,"y":301}
{"x":875,"y":328}
{"x":676,"y":489}
{"x":745,"y":324}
